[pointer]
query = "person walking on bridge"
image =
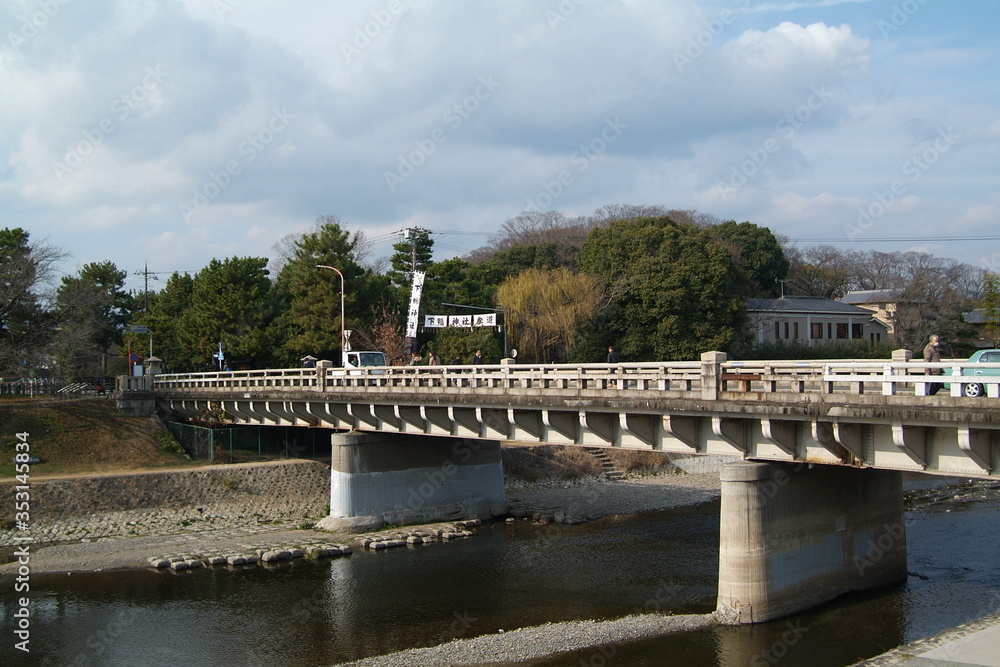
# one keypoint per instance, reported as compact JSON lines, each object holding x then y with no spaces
{"x":932,"y":355}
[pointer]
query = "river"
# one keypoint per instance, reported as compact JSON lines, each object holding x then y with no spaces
{"x":507,"y":576}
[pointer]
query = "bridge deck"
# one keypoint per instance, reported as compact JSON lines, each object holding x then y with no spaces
{"x":860,"y":413}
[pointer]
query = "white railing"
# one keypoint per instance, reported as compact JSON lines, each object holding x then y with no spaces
{"x":892,"y":377}
{"x":695,"y":379}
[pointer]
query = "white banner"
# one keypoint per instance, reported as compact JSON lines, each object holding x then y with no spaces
{"x":414,"y":312}
{"x":465,"y":321}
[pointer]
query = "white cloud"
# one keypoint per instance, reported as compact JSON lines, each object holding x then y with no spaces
{"x":365,"y":84}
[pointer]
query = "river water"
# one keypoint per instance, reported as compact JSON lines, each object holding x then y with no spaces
{"x":507,"y":576}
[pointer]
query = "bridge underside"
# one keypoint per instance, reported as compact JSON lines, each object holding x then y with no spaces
{"x":865,"y":437}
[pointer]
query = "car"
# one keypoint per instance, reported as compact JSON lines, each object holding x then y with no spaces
{"x":971,"y":367}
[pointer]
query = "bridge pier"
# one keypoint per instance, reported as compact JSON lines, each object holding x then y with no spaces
{"x":404,"y":479}
{"x":794,"y":536}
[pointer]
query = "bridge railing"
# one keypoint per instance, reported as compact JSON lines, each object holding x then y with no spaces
{"x":889,"y":377}
{"x":695,"y":379}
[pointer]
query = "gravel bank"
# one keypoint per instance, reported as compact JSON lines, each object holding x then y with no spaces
{"x":543,"y":640}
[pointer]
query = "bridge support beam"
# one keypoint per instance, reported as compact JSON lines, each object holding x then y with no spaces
{"x":404,"y":479}
{"x":792,"y":537}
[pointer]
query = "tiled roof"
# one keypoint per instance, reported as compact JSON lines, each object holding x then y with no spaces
{"x":869,"y":296}
{"x":806,"y":304}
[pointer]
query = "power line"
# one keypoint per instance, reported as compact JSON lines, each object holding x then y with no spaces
{"x":900,"y":239}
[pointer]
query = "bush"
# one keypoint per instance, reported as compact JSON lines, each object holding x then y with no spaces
{"x":167,"y":443}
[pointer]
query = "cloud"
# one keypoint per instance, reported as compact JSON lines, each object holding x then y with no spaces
{"x":261,"y":116}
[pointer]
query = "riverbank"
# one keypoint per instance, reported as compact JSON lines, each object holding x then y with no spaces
{"x":127,"y":539}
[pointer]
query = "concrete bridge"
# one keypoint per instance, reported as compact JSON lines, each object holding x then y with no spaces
{"x":815,"y":509}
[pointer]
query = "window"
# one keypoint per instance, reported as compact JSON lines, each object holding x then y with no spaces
{"x":786,"y":330}
{"x":795,"y":325}
{"x":816,"y":331}
{"x":841,"y":330}
{"x":777,"y":330}
{"x":829,"y":330}
{"x":857,"y":331}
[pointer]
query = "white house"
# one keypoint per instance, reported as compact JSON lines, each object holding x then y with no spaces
{"x":812,"y":320}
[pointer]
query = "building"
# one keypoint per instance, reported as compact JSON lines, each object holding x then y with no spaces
{"x":812,"y":320}
{"x":881,"y":302}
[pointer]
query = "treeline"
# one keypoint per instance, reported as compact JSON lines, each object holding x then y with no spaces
{"x":657,"y":284}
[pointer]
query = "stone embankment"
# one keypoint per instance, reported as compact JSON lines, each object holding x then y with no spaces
{"x":239,"y":496}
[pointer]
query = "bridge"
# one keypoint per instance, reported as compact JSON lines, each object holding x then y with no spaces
{"x":813,"y":510}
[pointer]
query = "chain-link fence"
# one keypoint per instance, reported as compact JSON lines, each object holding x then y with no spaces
{"x":241,"y":444}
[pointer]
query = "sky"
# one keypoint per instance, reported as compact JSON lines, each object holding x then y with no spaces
{"x":160,"y":134}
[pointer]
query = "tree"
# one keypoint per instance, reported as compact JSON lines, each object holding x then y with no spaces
{"x":674,"y":289}
{"x":307,"y":299}
{"x":819,"y":271}
{"x":991,"y":306}
{"x":413,"y":253}
{"x":167,"y":309}
{"x":545,"y":309}
{"x":94,"y":308}
{"x":230,"y":303}
{"x":25,"y":319}
{"x":758,"y":252}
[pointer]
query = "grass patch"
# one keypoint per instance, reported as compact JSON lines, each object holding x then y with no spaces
{"x":535,"y":462}
{"x":81,"y":435}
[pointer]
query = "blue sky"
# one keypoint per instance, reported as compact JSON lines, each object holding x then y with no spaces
{"x":168,"y":133}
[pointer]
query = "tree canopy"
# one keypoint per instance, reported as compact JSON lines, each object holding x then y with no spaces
{"x":657,"y":284}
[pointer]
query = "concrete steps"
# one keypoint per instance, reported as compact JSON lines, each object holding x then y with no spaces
{"x":607,"y":465}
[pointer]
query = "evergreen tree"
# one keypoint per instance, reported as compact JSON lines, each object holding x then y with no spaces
{"x":230,"y":303}
{"x":675,"y":290}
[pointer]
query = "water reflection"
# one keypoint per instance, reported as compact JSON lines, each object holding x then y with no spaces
{"x":508,"y":576}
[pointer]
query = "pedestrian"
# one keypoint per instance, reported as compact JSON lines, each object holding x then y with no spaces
{"x":457,"y":361}
{"x":932,"y":355}
{"x":612,"y":355}
{"x":433,"y":359}
{"x":477,"y":358}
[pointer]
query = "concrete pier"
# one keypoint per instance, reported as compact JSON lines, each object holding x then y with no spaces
{"x":403,"y":479}
{"x":793,"y":536}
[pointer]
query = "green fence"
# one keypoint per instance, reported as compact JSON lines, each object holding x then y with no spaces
{"x":240,"y":444}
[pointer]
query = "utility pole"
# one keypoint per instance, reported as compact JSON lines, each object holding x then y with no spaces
{"x":146,"y":273}
{"x":411,"y":234}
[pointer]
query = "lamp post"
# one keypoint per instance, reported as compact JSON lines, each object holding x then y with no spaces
{"x":342,"y":337}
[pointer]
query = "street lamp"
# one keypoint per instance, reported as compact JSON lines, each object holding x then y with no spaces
{"x":342,"y":337}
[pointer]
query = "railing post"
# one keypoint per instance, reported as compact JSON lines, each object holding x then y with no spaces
{"x":711,"y":374}
{"x":321,"y":368}
{"x":900,"y":357}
